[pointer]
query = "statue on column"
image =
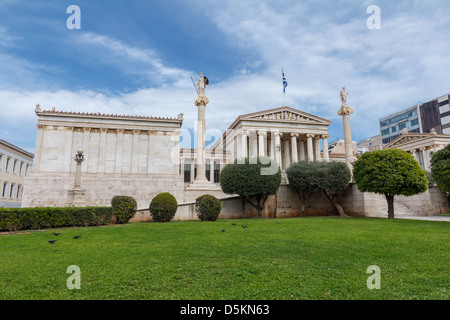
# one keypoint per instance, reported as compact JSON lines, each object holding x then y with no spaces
{"x":344,"y":95}
{"x":201,"y":84}
{"x":345,"y":109}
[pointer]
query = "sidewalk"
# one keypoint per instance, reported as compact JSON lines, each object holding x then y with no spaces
{"x":430,"y":218}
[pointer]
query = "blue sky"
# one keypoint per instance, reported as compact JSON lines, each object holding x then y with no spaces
{"x":138,"y":57}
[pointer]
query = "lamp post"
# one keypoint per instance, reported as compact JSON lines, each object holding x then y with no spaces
{"x":77,"y":194}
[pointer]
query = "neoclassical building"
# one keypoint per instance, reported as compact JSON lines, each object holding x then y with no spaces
{"x":141,"y":156}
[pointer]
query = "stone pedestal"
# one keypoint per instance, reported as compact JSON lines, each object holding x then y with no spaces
{"x":77,"y":197}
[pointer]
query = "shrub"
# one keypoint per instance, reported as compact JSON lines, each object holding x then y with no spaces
{"x":163,"y":207}
{"x":45,"y":217}
{"x":124,"y":208}
{"x":207,"y":207}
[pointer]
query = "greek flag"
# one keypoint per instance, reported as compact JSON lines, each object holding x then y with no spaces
{"x":284,"y":82}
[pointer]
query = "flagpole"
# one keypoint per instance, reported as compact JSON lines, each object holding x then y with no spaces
{"x":282,"y":83}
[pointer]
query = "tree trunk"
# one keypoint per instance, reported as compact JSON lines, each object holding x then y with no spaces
{"x":390,"y":201}
{"x":259,"y":206}
{"x":338,"y":207}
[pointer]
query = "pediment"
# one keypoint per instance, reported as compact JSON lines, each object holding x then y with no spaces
{"x":285,"y":114}
{"x":404,"y":139}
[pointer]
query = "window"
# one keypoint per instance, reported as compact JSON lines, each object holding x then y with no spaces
{"x":401,"y":126}
{"x":384,"y":132}
{"x":187,"y":171}
{"x":8,"y":160}
{"x":11,"y":191}
{"x":27,"y":170}
{"x":21,"y":168}
{"x":208,"y":170}
{"x":394,"y":129}
{"x":414,"y":122}
{"x":216,"y":172}
{"x":19,"y":188}
{"x":1,"y":161}
{"x":5,"y":187}
{"x":14,"y":166}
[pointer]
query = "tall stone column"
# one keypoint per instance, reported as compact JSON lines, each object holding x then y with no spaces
{"x":294,"y":156}
{"x":287,"y":158}
{"x":244,"y":135}
{"x":201,"y":103}
{"x":278,"y":135}
{"x":309,"y":144}
{"x":317,"y":148}
{"x":302,"y":150}
{"x":345,"y":112}
{"x":77,"y":194}
{"x":326,"y":156}
{"x":261,"y":149}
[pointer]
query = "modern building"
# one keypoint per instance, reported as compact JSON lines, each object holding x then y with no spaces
{"x":15,"y":165}
{"x":434,"y":114}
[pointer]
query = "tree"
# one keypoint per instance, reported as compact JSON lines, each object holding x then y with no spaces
{"x":440,"y":170}
{"x":251,"y":177}
{"x":336,"y":177}
{"x":389,"y":172}
{"x":307,"y":177}
{"x":304,"y":178}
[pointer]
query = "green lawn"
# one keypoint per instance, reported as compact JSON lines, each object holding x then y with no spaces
{"x":298,"y":258}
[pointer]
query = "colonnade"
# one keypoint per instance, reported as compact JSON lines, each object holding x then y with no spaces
{"x":284,"y":147}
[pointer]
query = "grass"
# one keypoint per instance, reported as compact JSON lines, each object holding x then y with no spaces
{"x":299,"y":258}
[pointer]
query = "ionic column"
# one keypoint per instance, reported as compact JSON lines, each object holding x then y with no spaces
{"x":326,"y":155}
{"x":302,"y":150}
{"x":287,"y":158}
{"x":317,"y":148}
{"x":102,"y":153}
{"x":244,"y":135}
{"x":426,"y":160}
{"x":278,"y":135}
{"x":38,"y":148}
{"x":86,"y":139}
{"x":294,"y":156}
{"x":272,"y":146}
{"x":309,"y":144}
{"x":261,"y":135}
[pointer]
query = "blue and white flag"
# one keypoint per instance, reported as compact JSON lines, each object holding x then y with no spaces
{"x":284,"y":82}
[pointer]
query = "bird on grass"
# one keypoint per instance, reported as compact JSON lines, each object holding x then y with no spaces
{"x":51,"y":241}
{"x":278,"y":221}
{"x":223,"y":230}
{"x":244,"y":226}
{"x":76,"y":237}
{"x":233,"y":224}
{"x":56,"y":233}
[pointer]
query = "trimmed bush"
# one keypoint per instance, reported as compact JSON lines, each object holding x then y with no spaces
{"x":124,"y":208}
{"x":163,"y":207}
{"x":208,"y":207}
{"x":14,"y":219}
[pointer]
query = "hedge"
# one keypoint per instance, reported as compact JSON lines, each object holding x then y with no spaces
{"x":45,"y":217}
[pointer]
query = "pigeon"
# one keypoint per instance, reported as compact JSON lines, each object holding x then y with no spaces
{"x":278,"y":221}
{"x":51,"y":241}
{"x":233,"y":224}
{"x":244,"y":226}
{"x":56,"y":234}
{"x":223,"y":230}
{"x":76,"y":237}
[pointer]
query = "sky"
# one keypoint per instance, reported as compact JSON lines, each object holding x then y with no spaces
{"x":137,"y":58}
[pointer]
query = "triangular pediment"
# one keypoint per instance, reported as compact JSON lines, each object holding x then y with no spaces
{"x":406,"y":138}
{"x":285,"y":114}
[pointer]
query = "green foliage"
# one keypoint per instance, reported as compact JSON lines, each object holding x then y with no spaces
{"x":390,"y":172}
{"x":440,"y":169}
{"x":124,"y":208}
{"x":308,"y":177}
{"x":208,"y":207}
{"x":163,"y":207}
{"x":251,"y":176}
{"x":45,"y":217}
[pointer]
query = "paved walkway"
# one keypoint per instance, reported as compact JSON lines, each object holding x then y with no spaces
{"x":430,"y":218}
